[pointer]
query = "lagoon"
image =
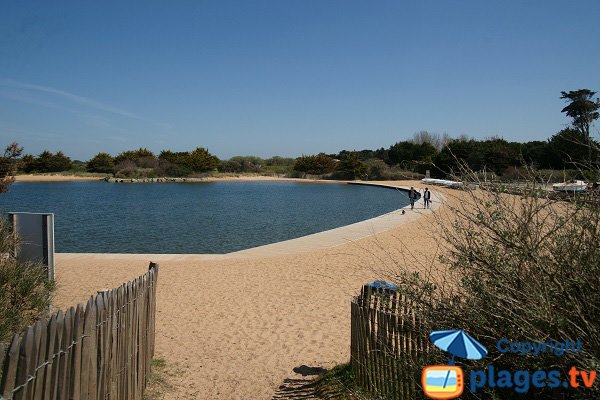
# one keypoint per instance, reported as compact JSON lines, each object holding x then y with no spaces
{"x":173,"y":218}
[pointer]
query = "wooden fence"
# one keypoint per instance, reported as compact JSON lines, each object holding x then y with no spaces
{"x":101,"y":352}
{"x":386,"y":343}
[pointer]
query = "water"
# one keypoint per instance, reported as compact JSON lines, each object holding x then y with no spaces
{"x":220,"y":217}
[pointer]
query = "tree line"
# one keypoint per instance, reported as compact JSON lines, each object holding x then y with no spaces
{"x":424,"y":151}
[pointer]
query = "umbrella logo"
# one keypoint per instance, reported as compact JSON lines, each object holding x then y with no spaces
{"x":459,"y":344}
{"x":443,"y":382}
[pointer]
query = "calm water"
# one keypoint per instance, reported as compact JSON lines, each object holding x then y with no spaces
{"x":194,"y":218}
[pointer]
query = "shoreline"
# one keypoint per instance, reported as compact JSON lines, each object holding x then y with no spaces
{"x":55,"y":178}
{"x":235,"y":327}
{"x":241,"y":178}
{"x":322,"y":240}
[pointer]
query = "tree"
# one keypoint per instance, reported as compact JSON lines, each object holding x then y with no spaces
{"x":101,"y":162}
{"x":433,"y":139}
{"x":351,"y":166}
{"x":8,"y":165}
{"x":409,"y":151}
{"x":201,"y":160}
{"x":47,"y":162}
{"x":59,"y":162}
{"x":134,"y":155}
{"x":581,"y":108}
{"x":315,"y":165}
{"x":572,"y":147}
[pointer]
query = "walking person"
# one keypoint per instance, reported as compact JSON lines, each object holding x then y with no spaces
{"x":412,"y":196}
{"x":426,"y":198}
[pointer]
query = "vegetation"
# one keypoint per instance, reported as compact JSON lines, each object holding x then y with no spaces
{"x":582,"y":109}
{"x":46,"y":162}
{"x":25,"y":291}
{"x":315,"y":165}
{"x":8,"y":165}
{"x":101,"y":162}
{"x":523,"y":267}
{"x":565,"y":150}
{"x":158,"y":384}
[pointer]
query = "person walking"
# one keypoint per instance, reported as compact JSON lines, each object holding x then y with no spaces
{"x":426,"y":198}
{"x":412,"y":196}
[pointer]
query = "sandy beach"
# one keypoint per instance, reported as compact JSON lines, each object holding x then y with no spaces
{"x":234,"y":326}
{"x":55,"y":178}
{"x":224,"y":178}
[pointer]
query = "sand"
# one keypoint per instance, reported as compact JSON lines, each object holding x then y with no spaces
{"x":234,"y":326}
{"x":220,"y":178}
{"x":55,"y":178}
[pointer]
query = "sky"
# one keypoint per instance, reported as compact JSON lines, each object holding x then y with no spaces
{"x":287,"y":77}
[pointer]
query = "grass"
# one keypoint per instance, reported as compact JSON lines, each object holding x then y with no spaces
{"x":158,"y":381}
{"x":338,"y":384}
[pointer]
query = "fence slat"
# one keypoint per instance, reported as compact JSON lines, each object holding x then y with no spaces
{"x":40,"y":336}
{"x":57,"y":355}
{"x":101,"y":346}
{"x":51,"y":332}
{"x":11,"y":364}
{"x":22,"y":390}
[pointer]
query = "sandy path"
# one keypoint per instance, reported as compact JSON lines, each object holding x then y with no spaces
{"x":235,"y":327}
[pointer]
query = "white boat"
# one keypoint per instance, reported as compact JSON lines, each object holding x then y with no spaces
{"x":442,"y":182}
{"x":570,"y":186}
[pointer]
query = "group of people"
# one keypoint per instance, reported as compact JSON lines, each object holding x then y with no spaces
{"x":413,"y":195}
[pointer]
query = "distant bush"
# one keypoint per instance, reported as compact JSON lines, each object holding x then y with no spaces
{"x":134,"y":155}
{"x":78,"y":167}
{"x":199,"y":160}
{"x":101,"y":162}
{"x":25,"y":291}
{"x":46,"y":162}
{"x":277,"y":170}
{"x":379,"y":170}
{"x":9,"y":163}
{"x":176,"y":170}
{"x":279,"y":161}
{"x":315,"y":165}
{"x":241,"y":164}
{"x":350,"y":167}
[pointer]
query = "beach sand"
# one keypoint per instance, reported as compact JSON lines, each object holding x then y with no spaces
{"x":55,"y":178}
{"x":234,"y":326}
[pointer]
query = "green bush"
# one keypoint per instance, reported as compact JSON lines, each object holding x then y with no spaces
{"x":101,"y":162}
{"x":379,"y":170}
{"x":46,"y":162}
{"x":315,"y":165}
{"x":25,"y":291}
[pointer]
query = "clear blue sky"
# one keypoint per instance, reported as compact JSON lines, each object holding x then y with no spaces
{"x":287,"y":77}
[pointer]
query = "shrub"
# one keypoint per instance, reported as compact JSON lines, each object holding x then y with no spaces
{"x":8,"y":165}
{"x":315,"y":165}
{"x":199,"y":160}
{"x":350,"y":167}
{"x":101,"y":162}
{"x":46,"y":162}
{"x":241,"y":164}
{"x":177,"y":170}
{"x":134,"y":155}
{"x":523,"y":267}
{"x":25,"y":291}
